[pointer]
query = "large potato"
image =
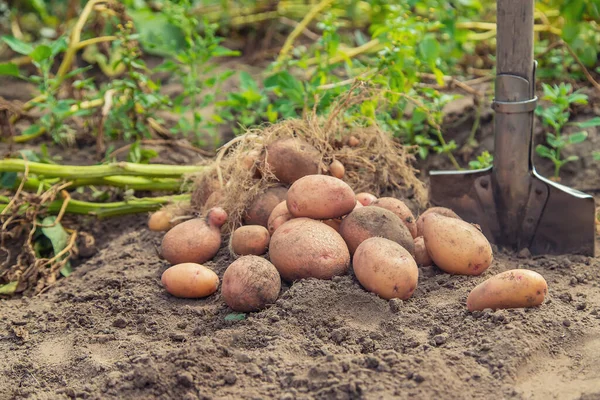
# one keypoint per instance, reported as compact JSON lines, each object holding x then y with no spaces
{"x":320,"y":197}
{"x":290,"y":159}
{"x":305,"y":248}
{"x":250,"y":240}
{"x":279,"y":215}
{"x":456,"y":246}
{"x":436,"y":210}
{"x":190,"y":280}
{"x":385,"y":268}
{"x":367,"y":222}
{"x":517,"y":288}
{"x":421,"y":255}
{"x":196,"y":240}
{"x":401,"y":210}
{"x":261,"y":208}
{"x":250,"y":283}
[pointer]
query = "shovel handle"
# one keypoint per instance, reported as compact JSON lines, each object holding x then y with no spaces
{"x":514,"y":37}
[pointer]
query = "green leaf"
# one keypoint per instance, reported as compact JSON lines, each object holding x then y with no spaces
{"x":9,"y":69}
{"x":17,"y":46}
{"x":8,"y":179}
{"x":59,"y":238}
{"x":544,"y":151}
{"x":578,"y":137}
{"x":596,"y":155}
{"x":429,"y":49}
{"x":235,"y":317}
{"x":9,"y":288}
{"x":59,"y":45}
{"x":589,"y":123}
{"x":41,"y":53}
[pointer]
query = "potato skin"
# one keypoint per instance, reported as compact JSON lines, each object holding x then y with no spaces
{"x":337,"y":169}
{"x":365,"y":198}
{"x":517,"y":288}
{"x":160,"y":221}
{"x":192,"y":241}
{"x":250,"y":284}
{"x":290,"y":159}
{"x":305,"y":248}
{"x":437,"y":210}
{"x":421,"y":255}
{"x":385,"y":268}
{"x":367,"y":222}
{"x":456,"y":246}
{"x":279,"y":215}
{"x":320,"y":197}
{"x":190,"y":280}
{"x":401,"y":210}
{"x":261,"y":208}
{"x":250,"y":240}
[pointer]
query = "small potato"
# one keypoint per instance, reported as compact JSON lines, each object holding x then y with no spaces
{"x":213,"y":200}
{"x":305,"y":248}
{"x":190,"y":280}
{"x":320,"y":197}
{"x":337,"y":169}
{"x":437,"y":210}
{"x":353,"y":141}
{"x":385,"y":268}
{"x":365,"y":198}
{"x":250,"y":240}
{"x":250,"y":284}
{"x":517,"y":288}
{"x":290,"y":159}
{"x":279,"y":215}
{"x":456,"y":246}
{"x":421,"y":255}
{"x":401,"y":210}
{"x":367,"y":222}
{"x":261,"y":208}
{"x":160,"y":221}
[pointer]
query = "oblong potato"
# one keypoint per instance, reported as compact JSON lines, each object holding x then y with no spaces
{"x":385,"y":268}
{"x":192,"y":241}
{"x":250,"y":240}
{"x":279,"y":215}
{"x":261,"y":208}
{"x":421,"y":255}
{"x":517,"y":288}
{"x":305,"y":248}
{"x":290,"y":159}
{"x":190,"y":280}
{"x":367,"y":222}
{"x":456,"y":246}
{"x":160,"y":221}
{"x":337,"y":169}
{"x":437,"y":210}
{"x":401,"y":210}
{"x":320,"y":197}
{"x":250,"y":283}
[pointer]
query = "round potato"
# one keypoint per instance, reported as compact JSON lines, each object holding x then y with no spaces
{"x":421,"y":255}
{"x":160,"y":221}
{"x":367,"y":222}
{"x":401,"y":210}
{"x":261,"y":208}
{"x":456,"y":246}
{"x":190,"y":280}
{"x":385,"y":268}
{"x":365,"y":198}
{"x":290,"y":159}
{"x":437,"y":210}
{"x":517,"y":288}
{"x":305,"y":248}
{"x":353,"y":141}
{"x":320,"y":197}
{"x":250,"y":284}
{"x":337,"y":169}
{"x":250,"y":240}
{"x":279,"y":215}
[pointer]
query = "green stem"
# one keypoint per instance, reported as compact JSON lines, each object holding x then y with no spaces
{"x":98,"y":171}
{"x":128,"y":182}
{"x":450,"y":155}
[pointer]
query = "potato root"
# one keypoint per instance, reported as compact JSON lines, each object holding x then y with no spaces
{"x":190,"y":280}
{"x":290,"y":159}
{"x":401,"y":210}
{"x":437,"y":210}
{"x":517,"y":288}
{"x":320,"y":197}
{"x":421,"y":255}
{"x":261,"y":208}
{"x":250,"y":284}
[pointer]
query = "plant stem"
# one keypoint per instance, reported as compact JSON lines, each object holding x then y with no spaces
{"x":442,"y":141}
{"x":98,"y":171}
{"x":128,"y":182}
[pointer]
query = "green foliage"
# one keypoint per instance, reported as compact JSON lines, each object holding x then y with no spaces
{"x":484,"y":160}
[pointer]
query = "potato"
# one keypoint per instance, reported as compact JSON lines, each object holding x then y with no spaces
{"x":456,"y":246}
{"x":290,"y":159}
{"x":367,"y":222}
{"x":337,"y":169}
{"x":250,"y":284}
{"x":279,"y":215}
{"x":385,"y":268}
{"x":190,"y":280}
{"x":261,"y":208}
{"x":401,"y":210}
{"x":213,"y":200}
{"x":421,"y":255}
{"x":196,"y":240}
{"x":334,"y":223}
{"x":437,"y":210}
{"x":365,"y":198}
{"x":250,"y":239}
{"x":160,"y":221}
{"x":305,"y":248}
{"x":517,"y":288}
{"x":320,"y":197}
{"x":205,"y":187}
{"x":353,"y":141}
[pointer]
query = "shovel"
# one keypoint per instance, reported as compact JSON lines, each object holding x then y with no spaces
{"x":515,"y":207}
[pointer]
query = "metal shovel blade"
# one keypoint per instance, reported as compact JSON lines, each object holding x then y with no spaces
{"x":515,"y":206}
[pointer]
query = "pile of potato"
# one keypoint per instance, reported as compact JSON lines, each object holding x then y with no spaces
{"x":319,"y":228}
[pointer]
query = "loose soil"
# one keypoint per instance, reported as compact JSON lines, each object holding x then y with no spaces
{"x":110,"y":331}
